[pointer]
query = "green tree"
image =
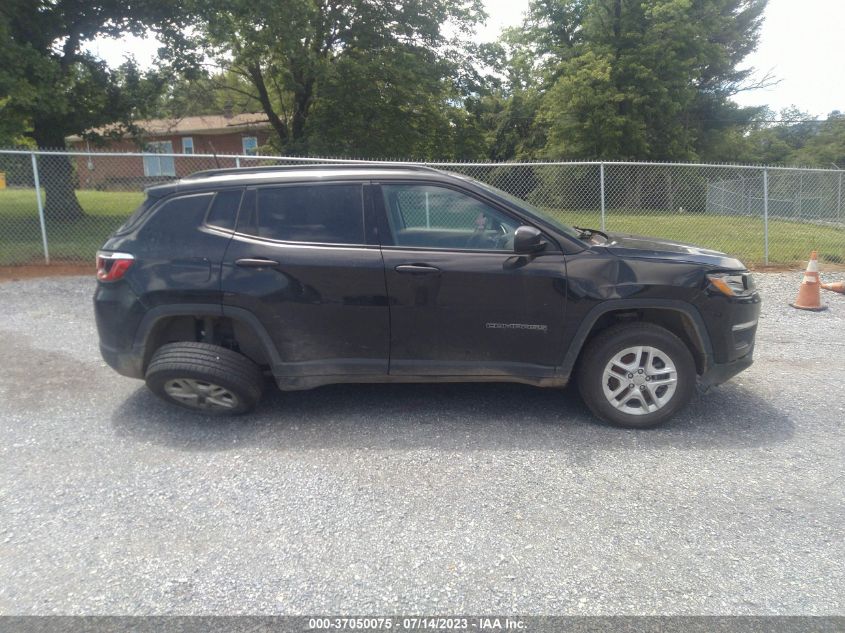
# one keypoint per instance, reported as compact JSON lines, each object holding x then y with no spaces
{"x":527,"y":58}
{"x":333,"y":59}
{"x":402,"y":107}
{"x":551,"y":32}
{"x":50,"y":87}
{"x":826,"y":148}
{"x":200,"y":92}
{"x":514,"y":130}
{"x":776,"y":138}
{"x":649,"y":79}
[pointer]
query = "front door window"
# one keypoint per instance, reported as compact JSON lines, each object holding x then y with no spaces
{"x":429,"y":216}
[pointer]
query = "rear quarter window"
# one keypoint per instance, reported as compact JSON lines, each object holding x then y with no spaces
{"x":137,"y":215}
{"x":175,"y":218}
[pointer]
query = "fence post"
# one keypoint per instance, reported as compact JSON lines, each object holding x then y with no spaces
{"x":746,"y":190}
{"x":839,"y":200}
{"x":601,"y":180}
{"x":40,"y":207}
{"x":800,"y":193}
{"x":238,"y":162}
{"x":766,"y":216}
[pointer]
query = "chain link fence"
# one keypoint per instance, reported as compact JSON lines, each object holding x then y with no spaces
{"x":763,"y":215}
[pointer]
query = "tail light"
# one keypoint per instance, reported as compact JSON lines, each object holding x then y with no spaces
{"x":112,"y":266}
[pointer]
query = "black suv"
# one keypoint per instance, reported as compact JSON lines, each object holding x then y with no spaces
{"x":378,"y":273}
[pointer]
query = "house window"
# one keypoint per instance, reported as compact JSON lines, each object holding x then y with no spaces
{"x":187,"y":145}
{"x":159,"y":165}
{"x":250,"y":145}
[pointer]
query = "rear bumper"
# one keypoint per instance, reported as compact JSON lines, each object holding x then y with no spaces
{"x":118,"y":313}
{"x":125,"y":363}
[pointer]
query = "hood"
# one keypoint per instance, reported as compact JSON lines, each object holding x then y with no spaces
{"x":624,"y":245}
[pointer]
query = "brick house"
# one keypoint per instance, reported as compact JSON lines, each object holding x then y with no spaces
{"x":210,"y":134}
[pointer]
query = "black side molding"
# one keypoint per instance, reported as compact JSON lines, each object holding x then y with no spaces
{"x":613,"y":305}
{"x":211,"y":309}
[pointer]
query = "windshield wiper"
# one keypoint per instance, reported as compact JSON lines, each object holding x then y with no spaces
{"x":588,"y":233}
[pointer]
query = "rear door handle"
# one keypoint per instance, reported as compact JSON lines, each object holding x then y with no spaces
{"x":257,"y":262}
{"x":417,"y":269}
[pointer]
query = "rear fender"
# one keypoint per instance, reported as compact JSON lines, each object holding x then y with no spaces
{"x":244,"y":319}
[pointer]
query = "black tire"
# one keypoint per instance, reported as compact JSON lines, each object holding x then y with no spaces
{"x":613,"y":341}
{"x":183,"y":368}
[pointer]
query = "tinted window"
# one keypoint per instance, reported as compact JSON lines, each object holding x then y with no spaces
{"x":137,"y":215}
{"x":437,"y":217}
{"x":176,"y":217}
{"x":224,"y":209}
{"x":328,"y":214}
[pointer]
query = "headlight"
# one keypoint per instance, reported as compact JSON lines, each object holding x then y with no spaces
{"x":733,"y":285}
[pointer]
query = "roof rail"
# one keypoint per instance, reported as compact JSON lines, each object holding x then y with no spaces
{"x":288,"y":167}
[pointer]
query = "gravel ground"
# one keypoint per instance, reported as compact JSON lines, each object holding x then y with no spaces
{"x":416,"y":499}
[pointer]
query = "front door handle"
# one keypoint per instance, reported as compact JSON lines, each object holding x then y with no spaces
{"x":417,"y":269}
{"x":256,"y":262}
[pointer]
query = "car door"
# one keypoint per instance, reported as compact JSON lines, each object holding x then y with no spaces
{"x":461,"y":301}
{"x":300,"y":262}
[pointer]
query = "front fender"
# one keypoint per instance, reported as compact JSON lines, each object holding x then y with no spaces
{"x":699,"y":330}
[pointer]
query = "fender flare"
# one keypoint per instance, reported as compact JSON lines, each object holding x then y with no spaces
{"x":614,"y":305}
{"x":245,"y":317}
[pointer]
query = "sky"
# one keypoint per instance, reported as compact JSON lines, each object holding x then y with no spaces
{"x":800,"y":45}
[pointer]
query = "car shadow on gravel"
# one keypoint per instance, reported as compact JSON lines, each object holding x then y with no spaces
{"x":449,"y":417}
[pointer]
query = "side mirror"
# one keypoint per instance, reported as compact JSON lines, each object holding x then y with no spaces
{"x":527,"y":239}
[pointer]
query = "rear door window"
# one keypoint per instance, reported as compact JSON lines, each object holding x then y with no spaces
{"x":321,"y":213}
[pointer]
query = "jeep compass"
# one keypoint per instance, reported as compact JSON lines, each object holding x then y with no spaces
{"x":312,"y":275}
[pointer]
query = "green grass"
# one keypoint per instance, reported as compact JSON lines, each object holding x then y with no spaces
{"x":789,"y":242}
{"x":20,"y":230}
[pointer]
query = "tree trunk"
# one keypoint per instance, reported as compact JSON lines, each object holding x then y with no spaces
{"x":56,"y":175}
{"x":302,"y":97}
{"x":279,"y":126}
{"x":301,"y":105}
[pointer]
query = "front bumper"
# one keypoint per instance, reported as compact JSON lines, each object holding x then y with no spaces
{"x":731,"y":323}
{"x":717,"y":373}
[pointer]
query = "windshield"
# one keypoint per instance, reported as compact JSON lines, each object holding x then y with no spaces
{"x":531,"y":209}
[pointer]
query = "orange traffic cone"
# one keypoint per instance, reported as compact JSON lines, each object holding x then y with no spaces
{"x":836,"y":286}
{"x":809,"y":295}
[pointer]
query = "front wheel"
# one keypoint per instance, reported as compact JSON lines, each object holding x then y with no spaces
{"x":636,"y":375}
{"x":205,"y":378}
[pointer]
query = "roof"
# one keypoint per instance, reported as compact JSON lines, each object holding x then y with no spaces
{"x":324,"y":167}
{"x":204,"y":124}
{"x":304,"y":173}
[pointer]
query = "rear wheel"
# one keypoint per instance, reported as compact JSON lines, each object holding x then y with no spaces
{"x":205,"y":378}
{"x":636,"y":375}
